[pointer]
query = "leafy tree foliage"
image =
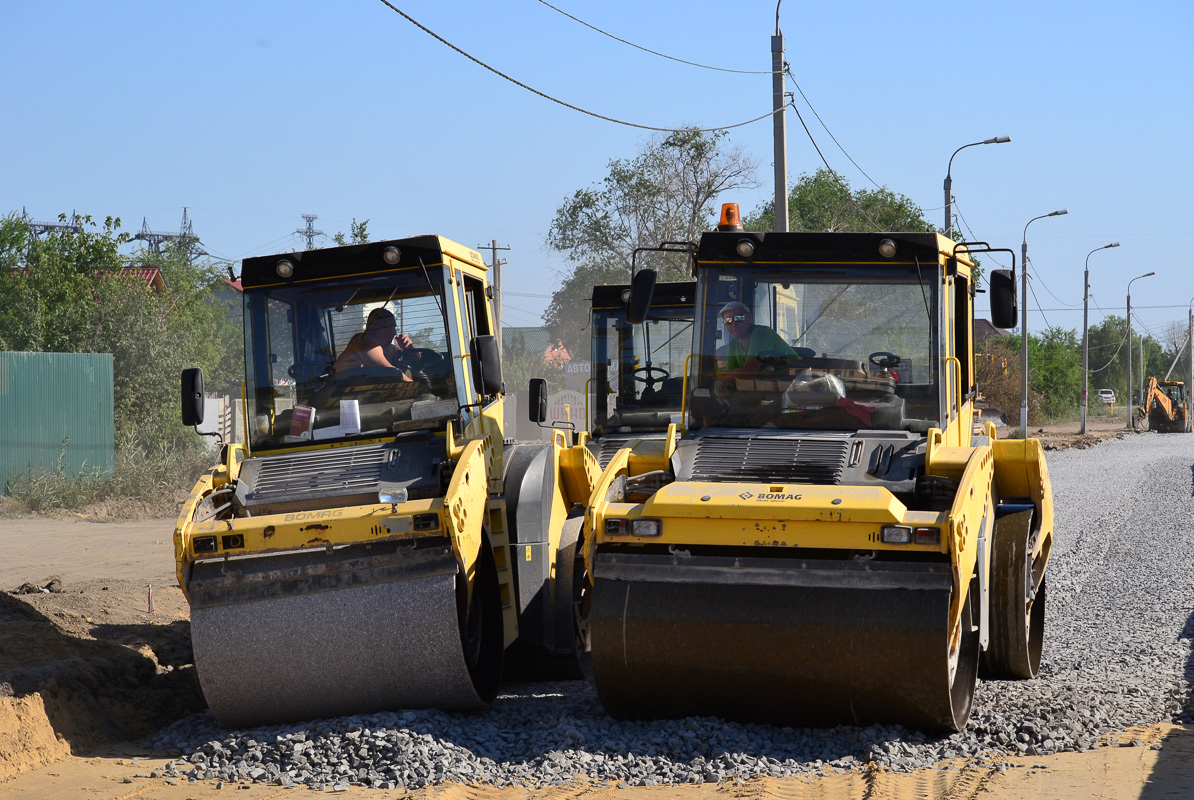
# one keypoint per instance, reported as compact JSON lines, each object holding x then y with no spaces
{"x":358,"y":233}
{"x":665,"y":193}
{"x":824,"y":201}
{"x":66,"y":292}
{"x":1055,"y":369}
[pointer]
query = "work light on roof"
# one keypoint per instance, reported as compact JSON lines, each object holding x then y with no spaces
{"x":391,"y":255}
{"x":285,"y":268}
{"x":887,"y":248}
{"x":745,"y":248}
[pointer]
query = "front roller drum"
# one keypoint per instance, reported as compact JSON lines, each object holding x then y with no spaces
{"x":786,"y":641}
{"x":320,"y":634}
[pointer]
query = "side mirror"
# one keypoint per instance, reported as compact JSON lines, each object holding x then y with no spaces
{"x":487,"y":365}
{"x":538,"y":401}
{"x":642,"y":292}
{"x":1003,"y":299}
{"x":192,"y":397}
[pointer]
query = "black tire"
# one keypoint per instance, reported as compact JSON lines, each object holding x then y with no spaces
{"x":571,"y":603}
{"x":1017,"y":626}
{"x":481,"y":633}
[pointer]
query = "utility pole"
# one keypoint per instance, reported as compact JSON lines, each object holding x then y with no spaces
{"x":496,"y":266}
{"x":1129,"y":315}
{"x":778,"y":101}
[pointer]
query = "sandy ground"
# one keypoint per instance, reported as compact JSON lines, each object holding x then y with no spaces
{"x":87,"y":671}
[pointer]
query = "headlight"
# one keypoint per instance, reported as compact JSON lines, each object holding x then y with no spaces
{"x":646,"y":527}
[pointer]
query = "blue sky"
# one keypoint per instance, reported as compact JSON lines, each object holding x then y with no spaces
{"x":252,"y":114}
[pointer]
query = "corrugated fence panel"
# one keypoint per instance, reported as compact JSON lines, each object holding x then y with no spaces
{"x":48,"y":397}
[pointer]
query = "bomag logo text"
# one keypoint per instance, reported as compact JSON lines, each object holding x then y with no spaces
{"x":777,"y":496}
{"x":305,"y":516}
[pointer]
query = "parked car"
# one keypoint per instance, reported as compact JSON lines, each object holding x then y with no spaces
{"x":1107,"y":396}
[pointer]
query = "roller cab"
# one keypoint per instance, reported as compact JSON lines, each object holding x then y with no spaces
{"x":819,"y":545}
{"x":636,"y":394}
{"x":355,"y":553}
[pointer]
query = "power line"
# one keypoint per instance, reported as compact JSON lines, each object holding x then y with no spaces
{"x":546,"y":96}
{"x":652,"y":52}
{"x":1032,"y":289}
{"x":849,"y":195}
{"x":788,"y":70}
{"x":1115,"y":354}
{"x":1050,"y":291}
{"x":1113,"y":308}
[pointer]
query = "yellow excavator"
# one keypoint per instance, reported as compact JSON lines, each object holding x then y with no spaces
{"x":374,"y":543}
{"x":826,"y":542}
{"x":1164,"y":405}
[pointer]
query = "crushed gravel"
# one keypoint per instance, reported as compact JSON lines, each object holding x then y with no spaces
{"x":1118,"y":653}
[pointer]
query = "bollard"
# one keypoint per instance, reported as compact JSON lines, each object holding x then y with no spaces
{"x":150,"y":587}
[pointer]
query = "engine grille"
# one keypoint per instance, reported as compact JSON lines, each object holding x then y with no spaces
{"x":770,"y":459}
{"x":607,"y":446}
{"x":343,"y":471}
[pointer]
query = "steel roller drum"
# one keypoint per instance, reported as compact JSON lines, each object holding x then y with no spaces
{"x":786,"y":641}
{"x":318,"y":634}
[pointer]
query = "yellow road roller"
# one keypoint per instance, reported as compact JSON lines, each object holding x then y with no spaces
{"x":374,"y":543}
{"x":827,"y":542}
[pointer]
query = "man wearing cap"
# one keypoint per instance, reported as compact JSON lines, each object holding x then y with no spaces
{"x":748,"y":341}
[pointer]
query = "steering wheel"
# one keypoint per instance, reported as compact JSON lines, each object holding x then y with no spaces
{"x":648,"y":372}
{"x":303,"y":371}
{"x":421,"y":362}
{"x":772,"y":358}
{"x":884,"y":360}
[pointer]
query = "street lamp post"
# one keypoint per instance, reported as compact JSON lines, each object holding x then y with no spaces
{"x":949,"y":182}
{"x":1086,"y":331}
{"x":1024,"y":320}
{"x":1138,"y":277}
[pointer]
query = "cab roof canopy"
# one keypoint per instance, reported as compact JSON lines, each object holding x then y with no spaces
{"x":354,"y":259}
{"x":667,"y":293}
{"x":819,"y":248}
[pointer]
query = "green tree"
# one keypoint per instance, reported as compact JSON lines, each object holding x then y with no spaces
{"x":1055,"y":370}
{"x":66,"y":292}
{"x":665,"y":193}
{"x":358,"y":233}
{"x":824,"y":201}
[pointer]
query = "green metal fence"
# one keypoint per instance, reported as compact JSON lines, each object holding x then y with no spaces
{"x":49,"y":398}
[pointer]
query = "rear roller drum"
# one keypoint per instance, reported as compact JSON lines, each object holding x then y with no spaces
{"x":1017,"y":604}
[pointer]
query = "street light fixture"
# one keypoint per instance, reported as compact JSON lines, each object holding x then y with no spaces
{"x":1024,"y":319}
{"x":1138,"y":277}
{"x":1086,"y":331}
{"x":949,"y":182}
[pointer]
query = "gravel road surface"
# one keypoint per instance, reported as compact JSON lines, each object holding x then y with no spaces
{"x":1118,"y":653}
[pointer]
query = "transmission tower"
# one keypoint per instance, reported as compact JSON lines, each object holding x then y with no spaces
{"x":185,"y":240}
{"x":39,"y":229}
{"x":309,"y":233}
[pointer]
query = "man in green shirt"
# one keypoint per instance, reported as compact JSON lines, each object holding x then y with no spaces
{"x":748,"y":341}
